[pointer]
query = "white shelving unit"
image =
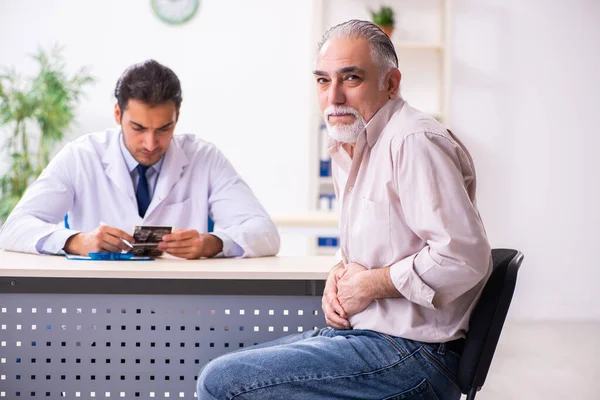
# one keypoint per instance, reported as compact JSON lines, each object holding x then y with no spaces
{"x":422,"y":41}
{"x":312,"y":222}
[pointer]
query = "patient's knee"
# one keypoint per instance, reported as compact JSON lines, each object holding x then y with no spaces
{"x":217,"y":378}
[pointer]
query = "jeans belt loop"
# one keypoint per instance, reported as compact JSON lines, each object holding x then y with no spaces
{"x":441,"y":349}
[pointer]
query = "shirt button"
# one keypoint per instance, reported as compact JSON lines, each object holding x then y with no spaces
{"x":350,"y":189}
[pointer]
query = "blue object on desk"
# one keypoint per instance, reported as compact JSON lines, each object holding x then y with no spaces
{"x":108,"y":256}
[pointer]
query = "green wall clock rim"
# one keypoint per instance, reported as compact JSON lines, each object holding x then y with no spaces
{"x":175,"y":21}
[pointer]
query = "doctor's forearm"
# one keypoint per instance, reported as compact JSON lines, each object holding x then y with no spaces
{"x":213,"y":245}
{"x":26,"y":233}
{"x":258,"y":237}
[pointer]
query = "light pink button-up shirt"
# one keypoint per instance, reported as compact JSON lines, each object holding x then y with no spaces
{"x":408,"y":201}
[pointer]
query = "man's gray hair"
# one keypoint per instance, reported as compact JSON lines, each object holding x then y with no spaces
{"x":382,"y":49}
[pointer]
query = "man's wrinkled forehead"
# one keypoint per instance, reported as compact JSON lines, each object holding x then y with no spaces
{"x":344,"y":53}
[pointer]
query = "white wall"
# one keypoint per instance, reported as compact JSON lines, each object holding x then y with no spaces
{"x":526,"y":100}
{"x":244,"y":67}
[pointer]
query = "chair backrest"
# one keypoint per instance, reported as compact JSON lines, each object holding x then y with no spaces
{"x":487,"y":319}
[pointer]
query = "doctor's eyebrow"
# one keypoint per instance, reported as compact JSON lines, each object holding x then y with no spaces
{"x":140,"y":126}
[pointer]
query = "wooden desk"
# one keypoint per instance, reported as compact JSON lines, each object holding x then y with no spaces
{"x":101,"y":329}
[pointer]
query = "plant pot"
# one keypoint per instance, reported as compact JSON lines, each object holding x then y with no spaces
{"x":388,"y":29}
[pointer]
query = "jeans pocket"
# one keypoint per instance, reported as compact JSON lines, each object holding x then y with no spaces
{"x":423,"y":391}
{"x":395,"y":344}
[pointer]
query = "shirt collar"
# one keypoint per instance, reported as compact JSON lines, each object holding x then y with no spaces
{"x":130,"y":161}
{"x":381,"y":118}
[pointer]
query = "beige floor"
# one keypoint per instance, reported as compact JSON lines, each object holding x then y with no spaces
{"x":545,"y":361}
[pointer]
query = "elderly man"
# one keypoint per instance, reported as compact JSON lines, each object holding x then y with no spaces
{"x":414,"y":251}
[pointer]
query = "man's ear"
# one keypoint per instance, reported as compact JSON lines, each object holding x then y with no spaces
{"x":118,"y":114}
{"x":393,"y":83}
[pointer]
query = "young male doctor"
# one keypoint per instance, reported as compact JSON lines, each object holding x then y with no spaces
{"x":141,"y":174}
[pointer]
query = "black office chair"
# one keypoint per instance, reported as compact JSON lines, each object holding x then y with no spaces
{"x":487,"y":320}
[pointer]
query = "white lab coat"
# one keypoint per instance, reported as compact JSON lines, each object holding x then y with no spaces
{"x":89,"y":179}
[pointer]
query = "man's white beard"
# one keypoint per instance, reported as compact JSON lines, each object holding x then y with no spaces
{"x":343,"y":132}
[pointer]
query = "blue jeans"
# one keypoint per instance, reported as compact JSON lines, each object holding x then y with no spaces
{"x":333,"y":364}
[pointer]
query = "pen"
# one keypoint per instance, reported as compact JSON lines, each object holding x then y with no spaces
{"x":121,"y":239}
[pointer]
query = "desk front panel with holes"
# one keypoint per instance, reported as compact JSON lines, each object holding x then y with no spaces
{"x":125,"y":338}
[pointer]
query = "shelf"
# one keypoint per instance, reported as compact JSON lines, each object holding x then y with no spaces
{"x":306,"y":219}
{"x":325,"y":180}
{"x":399,"y":45}
{"x":326,"y":251}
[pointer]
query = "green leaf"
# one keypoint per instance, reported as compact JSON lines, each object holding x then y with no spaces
{"x":385,"y":16}
{"x":7,"y":204}
{"x":36,"y":110}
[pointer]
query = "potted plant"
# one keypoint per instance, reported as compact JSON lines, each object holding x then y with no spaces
{"x":35,"y":113}
{"x":384,"y":18}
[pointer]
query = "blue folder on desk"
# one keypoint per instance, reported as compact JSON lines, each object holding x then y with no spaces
{"x":107,"y":256}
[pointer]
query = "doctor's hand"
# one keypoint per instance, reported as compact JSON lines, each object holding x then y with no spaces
{"x":354,"y":291}
{"x":103,"y":238}
{"x":335,"y":315}
{"x":191,"y":244}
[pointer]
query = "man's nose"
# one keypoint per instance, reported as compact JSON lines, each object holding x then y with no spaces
{"x":336,"y":94}
{"x":150,"y":141}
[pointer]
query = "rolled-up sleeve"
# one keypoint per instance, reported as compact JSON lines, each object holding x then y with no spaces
{"x":230,"y":248}
{"x":435,"y":181}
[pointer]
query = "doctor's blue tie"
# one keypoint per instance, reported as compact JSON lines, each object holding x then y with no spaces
{"x":143,"y":193}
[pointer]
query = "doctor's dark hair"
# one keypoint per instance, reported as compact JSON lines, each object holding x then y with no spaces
{"x":149,"y":82}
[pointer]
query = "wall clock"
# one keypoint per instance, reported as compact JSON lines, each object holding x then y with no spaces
{"x":175,"y":11}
